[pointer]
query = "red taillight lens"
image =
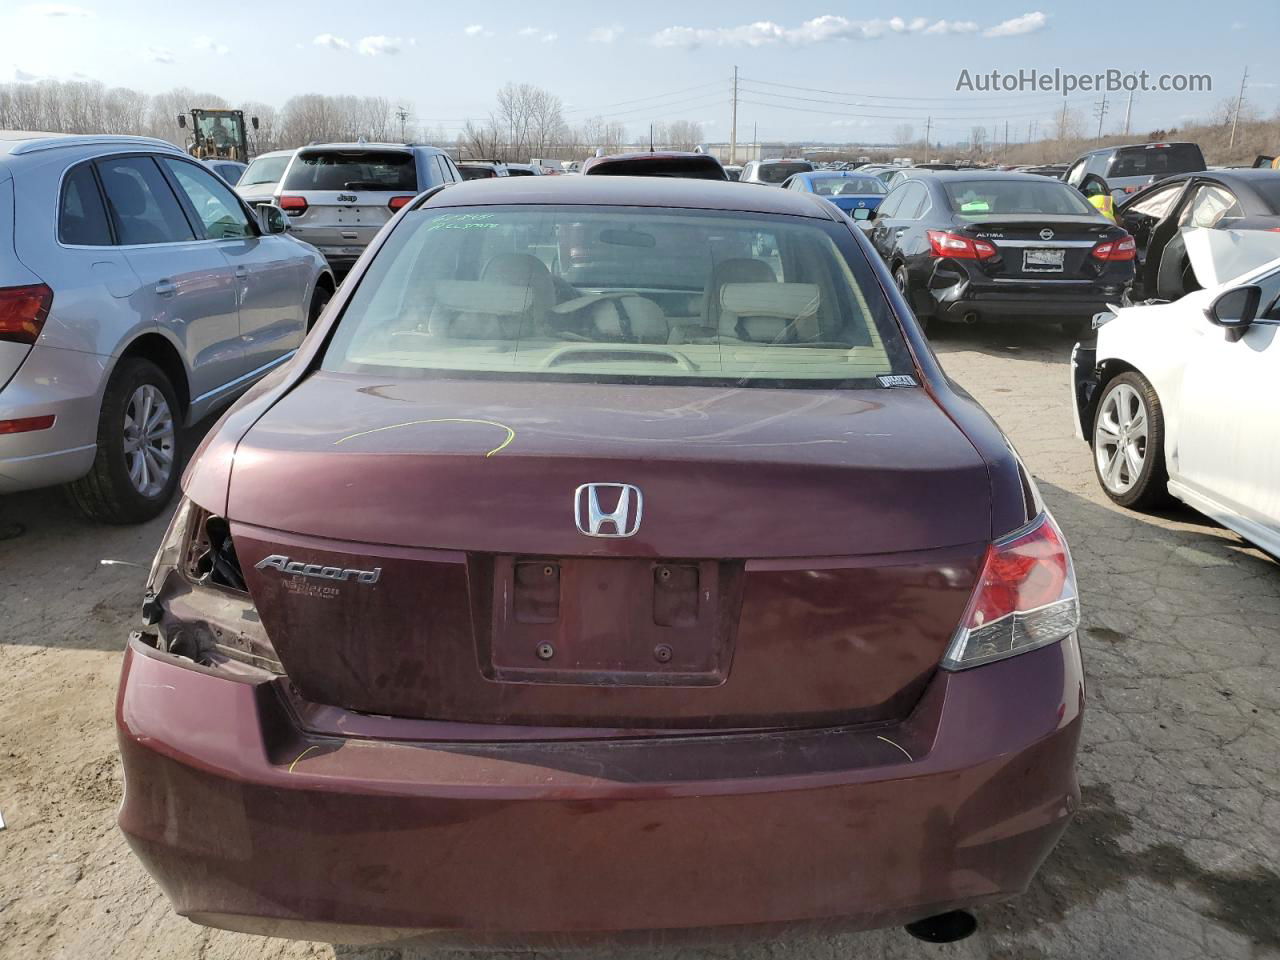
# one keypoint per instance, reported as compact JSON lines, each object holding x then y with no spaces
{"x":1122,"y":249}
{"x":1025,"y":598}
{"x":23,"y":311}
{"x":959,"y":247}
{"x":397,"y":202}
{"x":291,"y":204}
{"x":26,"y":424}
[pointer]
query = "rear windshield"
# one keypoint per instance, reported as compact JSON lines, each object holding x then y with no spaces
{"x":353,"y":170}
{"x":979,"y":198}
{"x":476,"y":173}
{"x":777,"y":172}
{"x":264,"y":170}
{"x":848,"y":186}
{"x":1156,"y":161}
{"x":620,"y":295}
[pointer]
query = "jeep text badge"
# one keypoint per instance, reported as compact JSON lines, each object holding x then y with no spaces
{"x":595,"y":521}
{"x":317,"y":570}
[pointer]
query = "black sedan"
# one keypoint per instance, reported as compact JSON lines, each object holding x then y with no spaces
{"x":980,"y":245}
{"x":1217,"y":199}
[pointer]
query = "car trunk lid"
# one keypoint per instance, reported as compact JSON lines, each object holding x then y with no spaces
{"x":414,"y":549}
{"x":1042,"y":247}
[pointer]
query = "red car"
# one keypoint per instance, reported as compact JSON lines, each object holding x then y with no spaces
{"x":514,"y":611}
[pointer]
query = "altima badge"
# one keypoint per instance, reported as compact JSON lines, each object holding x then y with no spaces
{"x":623,"y":520}
{"x":317,"y":570}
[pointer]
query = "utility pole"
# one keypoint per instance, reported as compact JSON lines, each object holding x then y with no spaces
{"x":403,"y":116}
{"x":1006,"y":137}
{"x":755,"y":139}
{"x":1100,"y":111}
{"x":1235,"y":118}
{"x":651,"y":138}
{"x":928,"y":125}
{"x":733,"y":128}
{"x":1128,"y":112}
{"x":1062,"y":124}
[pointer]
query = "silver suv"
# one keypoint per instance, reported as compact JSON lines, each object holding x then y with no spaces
{"x":339,"y":195}
{"x":137,"y":294}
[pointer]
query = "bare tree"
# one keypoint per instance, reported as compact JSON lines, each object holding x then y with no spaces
{"x":1068,"y":125}
{"x":903,"y":134}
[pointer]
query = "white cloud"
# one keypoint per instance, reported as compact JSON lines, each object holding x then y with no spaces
{"x":818,"y":30}
{"x":208,"y":43}
{"x":546,"y":36}
{"x":378,"y":45}
{"x":605,"y":34}
{"x":477,"y":30}
{"x":159,"y":55}
{"x":332,"y":42}
{"x":58,"y":10}
{"x":1239,"y":25}
{"x":23,"y":77}
{"x":1027,"y":23}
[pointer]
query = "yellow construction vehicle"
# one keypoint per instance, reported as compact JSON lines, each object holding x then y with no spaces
{"x":217,"y":134}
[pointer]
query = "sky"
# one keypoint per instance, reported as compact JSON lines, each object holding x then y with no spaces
{"x":810,"y":70}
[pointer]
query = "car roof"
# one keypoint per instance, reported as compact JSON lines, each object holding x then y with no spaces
{"x":1143,"y":146}
{"x":18,"y":142}
{"x":632,"y":192}
{"x":276,"y":153}
{"x":951,"y":176}
{"x":370,"y":146}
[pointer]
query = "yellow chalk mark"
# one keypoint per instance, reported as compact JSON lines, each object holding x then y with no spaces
{"x":511,"y":434}
{"x":301,"y":755}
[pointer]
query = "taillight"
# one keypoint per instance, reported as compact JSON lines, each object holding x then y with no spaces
{"x":1025,"y":598}
{"x":23,"y":311}
{"x":1122,"y":249}
{"x":292,"y":204}
{"x":960,"y":247}
{"x":396,"y":203}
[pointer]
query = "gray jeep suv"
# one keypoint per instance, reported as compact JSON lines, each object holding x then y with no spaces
{"x":339,"y":195}
{"x":137,"y":294}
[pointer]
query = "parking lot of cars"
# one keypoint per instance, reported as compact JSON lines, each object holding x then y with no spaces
{"x":1172,"y":852}
{"x":575,"y":700}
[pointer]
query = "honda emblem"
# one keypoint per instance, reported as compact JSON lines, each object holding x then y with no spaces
{"x":594,"y":520}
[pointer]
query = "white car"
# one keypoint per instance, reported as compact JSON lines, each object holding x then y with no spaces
{"x":1183,"y":398}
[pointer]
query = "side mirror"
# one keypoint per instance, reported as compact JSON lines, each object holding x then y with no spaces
{"x":1235,"y":309}
{"x":182,"y":120}
{"x":863,"y":213}
{"x":272,"y":219}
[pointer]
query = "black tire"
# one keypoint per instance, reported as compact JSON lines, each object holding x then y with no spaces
{"x":107,"y":493}
{"x":319,"y":300}
{"x":1148,"y":486}
{"x":903,"y":283}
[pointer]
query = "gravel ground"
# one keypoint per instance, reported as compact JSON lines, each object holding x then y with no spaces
{"x":1174,"y":853}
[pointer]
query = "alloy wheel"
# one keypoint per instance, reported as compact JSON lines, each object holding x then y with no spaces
{"x":148,"y":440}
{"x":1120,"y":438}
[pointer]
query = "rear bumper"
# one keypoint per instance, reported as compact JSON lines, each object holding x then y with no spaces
{"x":67,"y":384}
{"x":1027,"y":302}
{"x":248,"y":821}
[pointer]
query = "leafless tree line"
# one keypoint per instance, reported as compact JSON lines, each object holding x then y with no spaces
{"x":87,"y":107}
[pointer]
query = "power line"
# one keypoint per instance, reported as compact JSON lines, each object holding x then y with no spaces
{"x":880,"y":96}
{"x":894,"y":110}
{"x":878,"y":116}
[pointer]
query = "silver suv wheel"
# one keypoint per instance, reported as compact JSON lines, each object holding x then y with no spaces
{"x":148,"y":440}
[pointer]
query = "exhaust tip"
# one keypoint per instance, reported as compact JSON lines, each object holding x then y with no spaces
{"x":944,"y":927}
{"x":970,"y":318}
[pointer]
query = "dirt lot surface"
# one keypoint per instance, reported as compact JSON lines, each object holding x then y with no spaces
{"x":1174,"y":853}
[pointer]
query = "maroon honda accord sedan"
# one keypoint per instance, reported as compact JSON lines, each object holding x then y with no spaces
{"x":613,"y":562}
